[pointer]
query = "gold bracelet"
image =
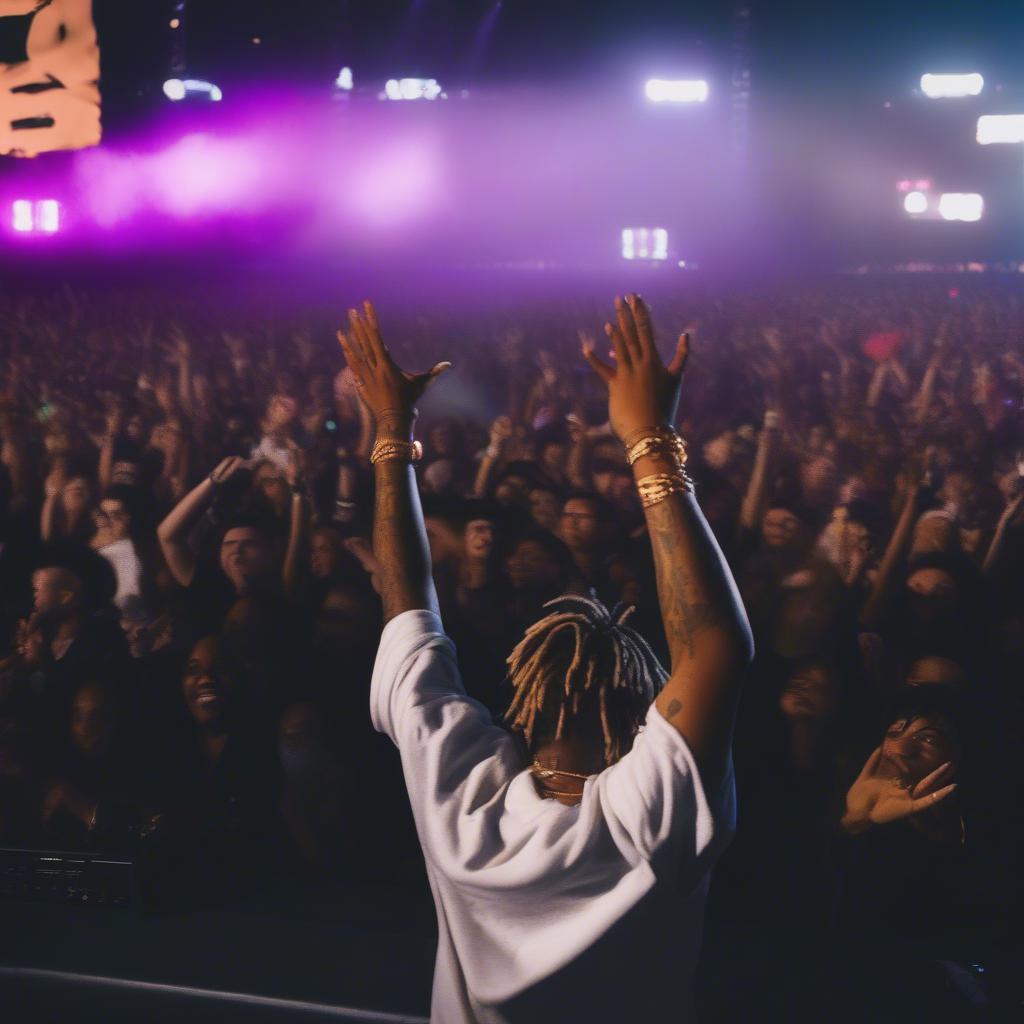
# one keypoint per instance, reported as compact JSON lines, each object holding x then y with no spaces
{"x":389,"y":450}
{"x":664,"y":442}
{"x":659,"y":486}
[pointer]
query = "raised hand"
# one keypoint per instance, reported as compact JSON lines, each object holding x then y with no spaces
{"x":642,"y":391}
{"x":227,"y":468}
{"x":875,"y":800}
{"x":388,"y":391}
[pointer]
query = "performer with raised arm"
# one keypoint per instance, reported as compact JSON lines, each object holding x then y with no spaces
{"x":568,"y":859}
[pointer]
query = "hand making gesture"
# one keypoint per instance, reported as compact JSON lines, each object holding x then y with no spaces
{"x":388,"y":391}
{"x":876,"y":800}
{"x":642,"y":391}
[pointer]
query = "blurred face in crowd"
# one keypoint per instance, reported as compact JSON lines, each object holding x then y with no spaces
{"x":246,"y":557}
{"x":513,"y":490}
{"x":936,"y":585}
{"x":819,"y":479}
{"x":57,"y":442}
{"x":581,"y":526}
{"x":810,"y":692}
{"x":913,"y":748}
{"x":76,"y":495}
{"x":934,"y":532}
{"x":112,"y":521}
{"x":545,"y":508}
{"x":780,"y":528}
{"x":553,"y":457}
{"x":325,"y":553}
{"x":479,"y":539}
{"x":270,"y":482}
{"x":52,"y":593}
{"x":718,"y":451}
{"x":530,"y":567}
{"x":281,"y":412}
{"x":204,"y":683}
{"x":92,"y":721}
{"x":442,"y":440}
{"x":853,"y":487}
{"x":935,"y":671}
{"x":135,"y":428}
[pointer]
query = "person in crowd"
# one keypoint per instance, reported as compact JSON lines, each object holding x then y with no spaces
{"x":196,"y":464}
{"x":654,"y":803}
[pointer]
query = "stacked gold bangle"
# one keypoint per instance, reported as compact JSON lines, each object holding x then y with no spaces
{"x":392,"y":450}
{"x":661,"y":441}
{"x":659,"y":486}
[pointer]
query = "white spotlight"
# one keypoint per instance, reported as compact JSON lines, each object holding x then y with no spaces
{"x":967,"y":206}
{"x":662,"y":90}
{"x":174,"y":89}
{"x":939,"y":87}
{"x":644,"y":244}
{"x":412,"y":89}
{"x":344,"y":81}
{"x":48,"y":216}
{"x":915,"y":202}
{"x":1000,"y":128}
{"x":21,"y":215}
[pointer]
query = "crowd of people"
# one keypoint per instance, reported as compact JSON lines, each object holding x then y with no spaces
{"x":189,"y":612}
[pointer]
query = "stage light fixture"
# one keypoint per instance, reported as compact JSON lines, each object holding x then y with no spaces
{"x":412,"y":89}
{"x":48,"y":216}
{"x":938,"y":87}
{"x":996,"y":128}
{"x":21,"y":215}
{"x":662,"y":90}
{"x":915,"y":203}
{"x":177,"y":89}
{"x":965,"y":206}
{"x":345,"y":81}
{"x":644,"y":244}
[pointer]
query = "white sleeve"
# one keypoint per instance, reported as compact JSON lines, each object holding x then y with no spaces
{"x":454,"y":758}
{"x":655,"y":802}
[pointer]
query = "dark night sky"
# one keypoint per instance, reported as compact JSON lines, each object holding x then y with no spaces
{"x":828,"y":53}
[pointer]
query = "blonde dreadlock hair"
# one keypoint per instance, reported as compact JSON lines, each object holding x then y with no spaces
{"x":579,"y":650}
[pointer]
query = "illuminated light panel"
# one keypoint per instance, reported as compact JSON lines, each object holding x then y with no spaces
{"x":664,"y":90}
{"x":412,"y":89}
{"x":938,"y":87}
{"x":48,"y":216}
{"x":966,"y":206}
{"x":345,"y":81}
{"x":915,"y":202}
{"x":21,"y":215}
{"x":644,"y":244}
{"x":995,"y":128}
{"x":176,"y":89}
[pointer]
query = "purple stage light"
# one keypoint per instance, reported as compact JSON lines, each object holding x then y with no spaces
{"x":21,"y":216}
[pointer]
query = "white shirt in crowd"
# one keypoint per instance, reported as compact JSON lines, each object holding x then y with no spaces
{"x":127,"y":567}
{"x":546,"y":912}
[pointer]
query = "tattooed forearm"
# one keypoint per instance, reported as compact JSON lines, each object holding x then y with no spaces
{"x":691,"y":594}
{"x":400,"y":542}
